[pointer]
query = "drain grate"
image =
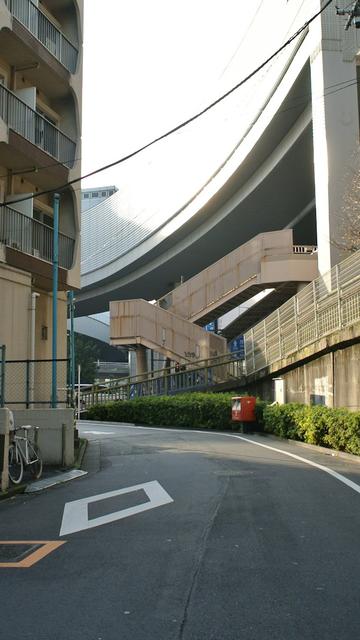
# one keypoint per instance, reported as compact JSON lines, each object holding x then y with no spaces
{"x":14,"y":552}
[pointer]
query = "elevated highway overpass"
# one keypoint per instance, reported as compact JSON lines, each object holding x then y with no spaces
{"x":284,"y":167}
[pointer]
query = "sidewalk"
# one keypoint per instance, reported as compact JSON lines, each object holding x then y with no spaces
{"x":50,"y":476}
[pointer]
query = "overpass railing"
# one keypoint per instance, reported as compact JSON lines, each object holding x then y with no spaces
{"x":196,"y":376}
{"x":330,"y":303}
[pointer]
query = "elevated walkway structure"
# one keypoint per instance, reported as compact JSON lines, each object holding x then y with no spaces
{"x":270,"y":260}
{"x":312,"y":341}
{"x":137,"y":323}
{"x":170,"y":326}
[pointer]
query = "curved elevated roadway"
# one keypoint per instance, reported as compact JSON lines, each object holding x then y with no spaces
{"x":273,"y":173}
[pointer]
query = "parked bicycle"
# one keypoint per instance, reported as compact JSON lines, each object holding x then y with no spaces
{"x":24,"y":452}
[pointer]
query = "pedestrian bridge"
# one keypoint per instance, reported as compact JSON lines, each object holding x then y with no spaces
{"x":170,"y":326}
{"x":322,"y":318}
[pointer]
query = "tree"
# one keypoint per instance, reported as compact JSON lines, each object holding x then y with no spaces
{"x":87,"y":352}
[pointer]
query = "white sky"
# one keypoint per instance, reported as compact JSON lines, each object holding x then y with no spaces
{"x":150,"y":65}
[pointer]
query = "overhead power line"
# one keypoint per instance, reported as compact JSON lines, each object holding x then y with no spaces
{"x":185,"y":122}
{"x":353,"y":14}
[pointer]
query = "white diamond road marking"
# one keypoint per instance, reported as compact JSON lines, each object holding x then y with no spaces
{"x":75,"y":516}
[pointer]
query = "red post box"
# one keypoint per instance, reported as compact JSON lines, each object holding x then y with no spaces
{"x":248,"y":404}
{"x":243,"y":409}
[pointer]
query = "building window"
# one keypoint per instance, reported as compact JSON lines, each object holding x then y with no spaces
{"x":95,"y":194}
{"x":86,"y":195}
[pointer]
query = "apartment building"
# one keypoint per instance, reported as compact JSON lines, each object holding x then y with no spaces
{"x":40,"y":150}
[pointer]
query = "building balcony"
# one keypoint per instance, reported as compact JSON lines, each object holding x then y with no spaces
{"x":39,"y":25}
{"x":24,"y":234}
{"x":35,"y":128}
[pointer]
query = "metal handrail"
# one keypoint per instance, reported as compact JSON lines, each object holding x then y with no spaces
{"x":21,"y":232}
{"x":35,"y":128}
{"x":197,"y":376}
{"x":328,"y":304}
{"x":45,"y":31}
{"x":305,"y":248}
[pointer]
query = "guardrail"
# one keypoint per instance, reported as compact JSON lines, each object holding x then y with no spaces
{"x":196,"y":376}
{"x":329,"y":303}
{"x":21,"y":232}
{"x":35,"y":128}
{"x":45,"y":31}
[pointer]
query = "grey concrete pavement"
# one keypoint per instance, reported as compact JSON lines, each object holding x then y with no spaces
{"x":255,"y":544}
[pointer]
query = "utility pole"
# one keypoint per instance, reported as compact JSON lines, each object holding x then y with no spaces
{"x":353,"y":15}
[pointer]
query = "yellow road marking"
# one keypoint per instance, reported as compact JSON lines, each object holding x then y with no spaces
{"x":48,"y":546}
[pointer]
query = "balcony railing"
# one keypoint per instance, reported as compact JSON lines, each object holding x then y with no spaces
{"x":45,"y":31}
{"x":31,"y":125}
{"x":21,"y":232}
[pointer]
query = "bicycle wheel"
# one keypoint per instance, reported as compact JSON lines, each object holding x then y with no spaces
{"x":35,"y":462}
{"x":16,"y":467}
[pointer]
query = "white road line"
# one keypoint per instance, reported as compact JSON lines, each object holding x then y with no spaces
{"x":99,"y":433}
{"x":334,"y":474}
{"x":338,"y":476}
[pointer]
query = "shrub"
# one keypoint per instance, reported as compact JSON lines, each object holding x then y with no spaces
{"x":335,"y":428}
{"x":190,"y":410}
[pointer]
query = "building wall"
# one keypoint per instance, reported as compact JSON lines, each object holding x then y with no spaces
{"x":46,"y":85}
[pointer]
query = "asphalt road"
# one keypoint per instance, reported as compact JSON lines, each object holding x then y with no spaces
{"x":221,"y":539}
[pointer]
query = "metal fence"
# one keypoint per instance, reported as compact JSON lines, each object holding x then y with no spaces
{"x":45,"y":31}
{"x":27,"y":383}
{"x":34,"y":127}
{"x":197,"y":376}
{"x":35,"y":238}
{"x":328,"y":304}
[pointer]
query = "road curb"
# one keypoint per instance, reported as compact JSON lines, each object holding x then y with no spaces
{"x":80,"y":456}
{"x":13,"y":491}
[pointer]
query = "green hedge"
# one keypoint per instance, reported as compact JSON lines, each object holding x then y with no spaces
{"x":190,"y":410}
{"x":335,"y":428}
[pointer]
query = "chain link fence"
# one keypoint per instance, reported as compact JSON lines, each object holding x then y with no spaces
{"x":28,"y":383}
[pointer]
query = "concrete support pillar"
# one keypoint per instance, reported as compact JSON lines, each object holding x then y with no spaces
{"x":141,"y":361}
{"x":335,"y":128}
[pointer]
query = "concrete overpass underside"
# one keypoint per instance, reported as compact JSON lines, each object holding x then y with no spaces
{"x":271,"y":188}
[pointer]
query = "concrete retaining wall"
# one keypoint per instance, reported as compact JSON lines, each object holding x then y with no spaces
{"x":56,"y":433}
{"x":332,"y":380}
